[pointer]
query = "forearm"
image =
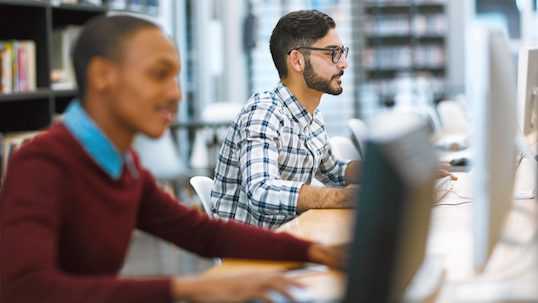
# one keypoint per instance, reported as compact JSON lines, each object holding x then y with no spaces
{"x":313,"y":197}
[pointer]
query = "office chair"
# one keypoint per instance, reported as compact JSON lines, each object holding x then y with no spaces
{"x":160,"y":156}
{"x":360,"y":134}
{"x":344,"y":148}
{"x":452,"y":113}
{"x":209,"y":139}
{"x":203,"y":185}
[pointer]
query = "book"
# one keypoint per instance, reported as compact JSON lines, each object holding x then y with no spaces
{"x":11,"y":143}
{"x":117,"y":4}
{"x":6,"y":72}
{"x":63,"y":75}
{"x":17,"y":66}
{"x":153,"y":7}
{"x":30,"y":64}
{"x":136,"y":5}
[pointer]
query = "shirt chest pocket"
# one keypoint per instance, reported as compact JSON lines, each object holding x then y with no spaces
{"x":300,"y":156}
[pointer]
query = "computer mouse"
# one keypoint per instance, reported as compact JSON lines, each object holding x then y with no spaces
{"x":458,"y":162}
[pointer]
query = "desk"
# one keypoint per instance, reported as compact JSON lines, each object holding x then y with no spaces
{"x":450,"y":234}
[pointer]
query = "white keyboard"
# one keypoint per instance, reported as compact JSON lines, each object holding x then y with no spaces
{"x":427,"y":279}
{"x":441,"y":188}
{"x":299,"y":295}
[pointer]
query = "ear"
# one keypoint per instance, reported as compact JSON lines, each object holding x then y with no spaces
{"x":296,"y":61}
{"x":100,"y":74}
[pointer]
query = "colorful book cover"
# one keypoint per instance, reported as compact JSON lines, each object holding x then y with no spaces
{"x":15,"y":65}
{"x":7,"y":69}
{"x":30,"y":64}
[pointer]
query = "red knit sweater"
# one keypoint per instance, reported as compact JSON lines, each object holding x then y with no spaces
{"x":66,"y":226}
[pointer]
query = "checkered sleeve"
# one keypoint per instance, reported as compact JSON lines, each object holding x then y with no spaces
{"x":260,"y":148}
{"x":332,"y":170}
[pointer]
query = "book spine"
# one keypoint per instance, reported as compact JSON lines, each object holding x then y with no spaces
{"x":22,"y":68}
{"x":7,"y":74}
{"x":15,"y":65}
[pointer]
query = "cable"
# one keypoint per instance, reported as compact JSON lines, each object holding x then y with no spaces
{"x":455,"y":193}
{"x":459,"y":196}
{"x":453,"y":204}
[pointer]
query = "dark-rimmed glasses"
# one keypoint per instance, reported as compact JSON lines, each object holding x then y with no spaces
{"x":336,"y":52}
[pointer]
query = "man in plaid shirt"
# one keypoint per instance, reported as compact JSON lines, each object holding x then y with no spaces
{"x":277,"y":144}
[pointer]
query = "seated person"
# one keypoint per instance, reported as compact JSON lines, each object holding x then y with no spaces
{"x":277,"y":144}
{"x":73,"y":195}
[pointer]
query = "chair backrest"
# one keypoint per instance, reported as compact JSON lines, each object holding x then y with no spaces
{"x":344,"y":148}
{"x":203,"y":185}
{"x":452,"y":113}
{"x":160,"y":156}
{"x":360,"y":132}
{"x":208,"y":140}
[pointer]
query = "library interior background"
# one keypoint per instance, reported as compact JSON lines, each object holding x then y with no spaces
{"x":403,"y":53}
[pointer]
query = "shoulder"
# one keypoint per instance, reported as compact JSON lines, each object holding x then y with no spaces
{"x":266,"y":106}
{"x":53,"y":144}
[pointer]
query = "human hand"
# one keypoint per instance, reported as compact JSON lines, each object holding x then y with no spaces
{"x":243,"y":288}
{"x":443,"y":173}
{"x":332,"y":255}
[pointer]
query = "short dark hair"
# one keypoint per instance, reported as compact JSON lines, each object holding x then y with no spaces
{"x":103,"y":37}
{"x":295,"y":29}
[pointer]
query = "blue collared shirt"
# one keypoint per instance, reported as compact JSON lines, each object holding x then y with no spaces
{"x":96,"y":143}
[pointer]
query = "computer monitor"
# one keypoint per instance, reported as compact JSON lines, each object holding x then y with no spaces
{"x":491,"y":92}
{"x":527,"y":94}
{"x":394,"y":207}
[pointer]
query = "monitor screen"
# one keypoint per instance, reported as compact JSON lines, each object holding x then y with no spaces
{"x":527,"y":93}
{"x":394,"y":206}
{"x":491,"y":93}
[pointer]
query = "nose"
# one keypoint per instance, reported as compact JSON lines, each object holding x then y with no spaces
{"x":342,"y":63}
{"x":175,"y":91}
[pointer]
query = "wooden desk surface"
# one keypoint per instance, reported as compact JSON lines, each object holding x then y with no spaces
{"x":510,"y":276}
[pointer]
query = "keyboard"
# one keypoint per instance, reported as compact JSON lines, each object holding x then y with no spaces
{"x":441,"y":188}
{"x":427,"y":280}
{"x":299,"y":294}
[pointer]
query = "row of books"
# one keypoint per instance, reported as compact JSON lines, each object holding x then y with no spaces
{"x":95,"y":2}
{"x":17,"y":66}
{"x":403,"y":25}
{"x":388,"y":88}
{"x":403,"y":57}
{"x":146,"y":6}
{"x":403,"y":2}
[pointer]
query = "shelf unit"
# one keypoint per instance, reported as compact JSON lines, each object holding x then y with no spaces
{"x":404,"y":38}
{"x":36,"y":20}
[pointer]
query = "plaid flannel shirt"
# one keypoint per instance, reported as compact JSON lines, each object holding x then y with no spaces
{"x":273,"y":147}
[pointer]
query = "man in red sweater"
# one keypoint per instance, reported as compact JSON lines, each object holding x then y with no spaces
{"x":72,"y":196}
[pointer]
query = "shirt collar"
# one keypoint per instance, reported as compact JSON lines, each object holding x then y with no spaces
{"x":95,"y":142}
{"x":298,"y":111}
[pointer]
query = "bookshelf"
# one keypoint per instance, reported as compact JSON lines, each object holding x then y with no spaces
{"x":37,"y":20}
{"x":404,"y":38}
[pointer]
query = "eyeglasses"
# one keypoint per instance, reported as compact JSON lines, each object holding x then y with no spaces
{"x":336,"y":52}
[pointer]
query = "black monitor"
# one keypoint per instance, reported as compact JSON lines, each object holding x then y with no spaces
{"x":394,"y":208}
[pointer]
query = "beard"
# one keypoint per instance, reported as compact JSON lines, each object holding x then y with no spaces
{"x":316,"y":82}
